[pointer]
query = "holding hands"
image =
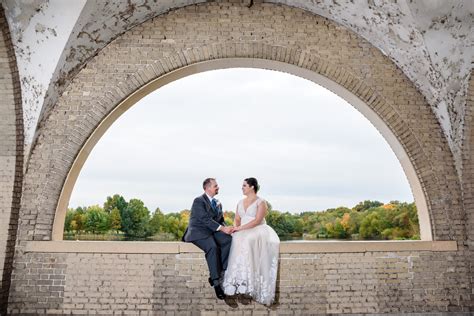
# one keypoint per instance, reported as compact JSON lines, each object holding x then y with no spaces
{"x":230,"y":229}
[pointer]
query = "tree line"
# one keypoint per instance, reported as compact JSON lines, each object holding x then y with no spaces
{"x":118,"y":219}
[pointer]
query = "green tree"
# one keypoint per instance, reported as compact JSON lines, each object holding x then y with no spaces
{"x":367,"y":204}
{"x":96,"y":220}
{"x":354,"y":224}
{"x":280,"y":223}
{"x":339,"y":230}
{"x":69,"y":218}
{"x":183,"y":223}
{"x":115,"y":219}
{"x":176,"y":223}
{"x":156,"y":222}
{"x":367,"y":220}
{"x":135,"y":218}
{"x":77,"y":222}
{"x":115,"y":202}
{"x":370,"y":228}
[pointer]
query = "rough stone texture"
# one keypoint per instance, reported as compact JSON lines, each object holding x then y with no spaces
{"x":176,"y":284}
{"x":468,"y":174}
{"x":11,"y":157}
{"x":431,"y":41}
{"x":468,"y":159}
{"x":447,"y":31}
{"x":40,"y":29}
{"x":421,"y":281}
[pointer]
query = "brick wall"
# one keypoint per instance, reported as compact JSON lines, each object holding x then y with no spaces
{"x":468,"y":174}
{"x":11,"y":157}
{"x":416,"y":280}
{"x":316,"y":283}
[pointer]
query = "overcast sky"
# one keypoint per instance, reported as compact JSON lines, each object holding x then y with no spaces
{"x":309,"y":149}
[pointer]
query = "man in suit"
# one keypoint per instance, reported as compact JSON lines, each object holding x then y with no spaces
{"x":207,"y":230}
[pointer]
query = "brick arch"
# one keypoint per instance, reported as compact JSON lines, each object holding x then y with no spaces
{"x":124,"y":68}
{"x":157,"y":76}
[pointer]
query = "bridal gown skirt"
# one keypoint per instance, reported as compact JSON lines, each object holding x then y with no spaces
{"x":253,"y":264}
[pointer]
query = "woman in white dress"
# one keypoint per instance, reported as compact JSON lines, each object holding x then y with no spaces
{"x":253,"y":258}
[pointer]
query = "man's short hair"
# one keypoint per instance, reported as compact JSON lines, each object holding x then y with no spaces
{"x":207,"y":183}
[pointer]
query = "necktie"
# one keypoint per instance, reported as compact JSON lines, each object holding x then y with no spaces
{"x":214,"y":204}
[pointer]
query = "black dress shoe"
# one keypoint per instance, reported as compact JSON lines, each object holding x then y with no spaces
{"x":219,"y":292}
{"x":210,"y":281}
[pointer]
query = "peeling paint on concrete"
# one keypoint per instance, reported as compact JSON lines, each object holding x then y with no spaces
{"x":430,"y":40}
{"x":448,"y":32}
{"x":39,"y":29}
{"x":100,"y":22}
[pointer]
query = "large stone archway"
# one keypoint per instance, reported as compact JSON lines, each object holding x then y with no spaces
{"x":192,"y":36}
{"x":149,"y":51}
{"x":249,"y":62}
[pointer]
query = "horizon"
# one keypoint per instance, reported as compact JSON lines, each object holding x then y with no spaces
{"x":152,"y":211}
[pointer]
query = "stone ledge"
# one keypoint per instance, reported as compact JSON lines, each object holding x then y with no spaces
{"x":132,"y":247}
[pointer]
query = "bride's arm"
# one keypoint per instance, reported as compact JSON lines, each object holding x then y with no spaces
{"x":261,"y":212}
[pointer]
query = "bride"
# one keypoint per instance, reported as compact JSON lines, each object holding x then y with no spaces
{"x":253,"y":258}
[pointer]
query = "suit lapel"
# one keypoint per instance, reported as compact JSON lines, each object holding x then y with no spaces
{"x":208,"y":204}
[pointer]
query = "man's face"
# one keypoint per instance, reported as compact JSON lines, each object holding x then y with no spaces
{"x":213,"y":188}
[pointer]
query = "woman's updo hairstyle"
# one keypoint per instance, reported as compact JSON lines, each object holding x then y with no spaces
{"x":252,"y":182}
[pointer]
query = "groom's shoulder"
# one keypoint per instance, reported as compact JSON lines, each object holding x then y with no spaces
{"x":199,"y":198}
{"x":198,"y":202}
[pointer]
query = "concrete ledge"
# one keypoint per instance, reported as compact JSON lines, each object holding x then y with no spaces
{"x":285,"y":247}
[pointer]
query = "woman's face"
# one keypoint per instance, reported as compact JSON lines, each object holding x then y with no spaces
{"x":246,"y":189}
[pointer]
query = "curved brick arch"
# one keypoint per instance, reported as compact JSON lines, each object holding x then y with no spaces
{"x":164,"y":44}
{"x":170,"y":69}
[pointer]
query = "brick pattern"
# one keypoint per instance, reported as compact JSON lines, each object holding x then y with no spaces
{"x":11,"y":157}
{"x":39,"y":282}
{"x":176,"y":284}
{"x":394,"y":282}
{"x":468,"y":175}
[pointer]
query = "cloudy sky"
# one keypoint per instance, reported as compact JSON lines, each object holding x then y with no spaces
{"x":309,"y":149}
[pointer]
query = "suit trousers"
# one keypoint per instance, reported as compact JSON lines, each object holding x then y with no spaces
{"x":217,"y":248}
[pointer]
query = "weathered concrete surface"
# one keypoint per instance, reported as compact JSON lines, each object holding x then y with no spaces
{"x":54,"y":38}
{"x":40,"y":30}
{"x":431,"y":41}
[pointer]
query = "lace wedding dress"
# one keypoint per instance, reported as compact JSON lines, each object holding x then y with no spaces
{"x":253,"y":258}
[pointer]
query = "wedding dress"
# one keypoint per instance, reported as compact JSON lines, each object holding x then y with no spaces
{"x":253,"y":258}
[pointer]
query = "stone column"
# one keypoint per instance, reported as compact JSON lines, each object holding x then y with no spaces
{"x":11,"y":157}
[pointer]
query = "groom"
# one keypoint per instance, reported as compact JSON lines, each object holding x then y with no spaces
{"x":207,"y":230}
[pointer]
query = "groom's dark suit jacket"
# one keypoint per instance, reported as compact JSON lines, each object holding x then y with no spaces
{"x":204,"y":220}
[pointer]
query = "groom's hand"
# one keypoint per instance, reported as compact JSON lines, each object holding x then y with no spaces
{"x":227,"y":230}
